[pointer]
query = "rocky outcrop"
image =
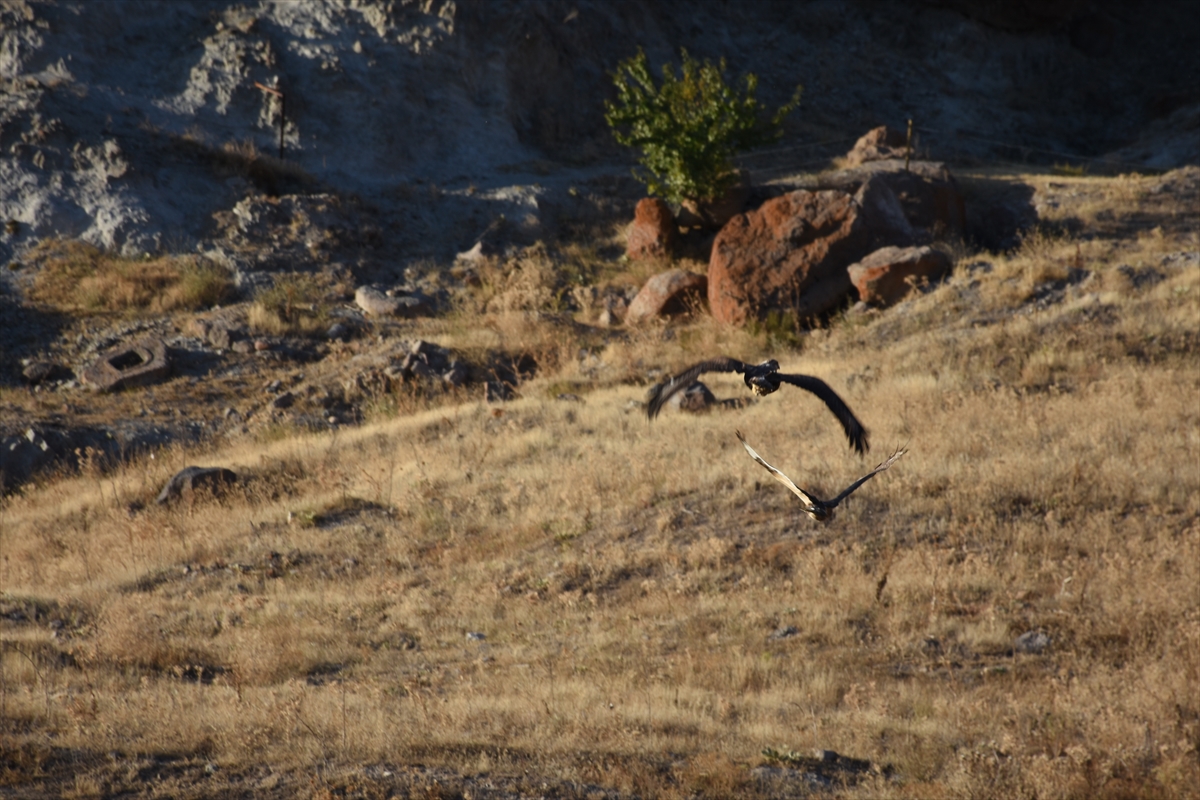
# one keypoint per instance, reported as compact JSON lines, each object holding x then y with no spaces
{"x":653,"y":233}
{"x":887,"y":275}
{"x":927,"y":192}
{"x":667,"y":293}
{"x":143,"y":363}
{"x":876,"y":145}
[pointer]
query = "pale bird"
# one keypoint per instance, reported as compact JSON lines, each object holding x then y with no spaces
{"x":763,"y":379}
{"x":820,"y":510}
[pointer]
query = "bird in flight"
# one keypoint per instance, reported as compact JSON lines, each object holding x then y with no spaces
{"x":820,"y":510}
{"x":763,"y":379}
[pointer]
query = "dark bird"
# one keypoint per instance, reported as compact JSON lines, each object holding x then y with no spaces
{"x":820,"y":510}
{"x":763,"y":379}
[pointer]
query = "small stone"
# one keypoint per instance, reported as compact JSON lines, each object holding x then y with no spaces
{"x":285,"y":400}
{"x":1031,"y":642}
{"x":476,"y":636}
{"x":262,"y":344}
{"x":39,"y":371}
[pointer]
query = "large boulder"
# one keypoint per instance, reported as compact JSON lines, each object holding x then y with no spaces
{"x":653,"y":233}
{"x":790,"y":256}
{"x":926,"y":190}
{"x":887,"y":275}
{"x":675,"y":291}
{"x":876,"y":145}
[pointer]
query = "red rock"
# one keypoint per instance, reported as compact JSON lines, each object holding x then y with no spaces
{"x":788,"y":256}
{"x":927,"y":192}
{"x":673,"y":292}
{"x":886,"y":276}
{"x":876,"y":144}
{"x":653,"y":233}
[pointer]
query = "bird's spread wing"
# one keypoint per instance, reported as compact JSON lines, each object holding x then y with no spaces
{"x":854,"y":429}
{"x":891,"y":460}
{"x":662,"y":392}
{"x":779,"y":476}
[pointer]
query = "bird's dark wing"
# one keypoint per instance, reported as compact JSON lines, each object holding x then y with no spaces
{"x":660,"y":393}
{"x":808,"y":499}
{"x":849,"y":489}
{"x":854,"y":429}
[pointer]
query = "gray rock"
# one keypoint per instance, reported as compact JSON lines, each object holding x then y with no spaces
{"x":192,"y":479}
{"x":378,"y":304}
{"x":1032,"y":642}
{"x":39,"y":372}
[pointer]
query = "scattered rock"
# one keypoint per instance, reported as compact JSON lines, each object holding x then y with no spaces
{"x":785,"y":633}
{"x":476,"y":636}
{"x":39,"y":372}
{"x":140,"y":364}
{"x":667,"y":293}
{"x":285,"y":400}
{"x":654,"y":233}
{"x":1032,"y":643}
{"x":191,"y":479}
{"x":887,"y":275}
{"x":215,"y":332}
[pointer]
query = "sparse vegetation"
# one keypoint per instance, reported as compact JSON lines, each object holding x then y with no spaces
{"x":81,"y":278}
{"x":689,"y":126}
{"x":293,"y":305}
{"x":635,"y":583}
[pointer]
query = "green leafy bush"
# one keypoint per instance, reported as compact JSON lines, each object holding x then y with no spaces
{"x":689,"y":127}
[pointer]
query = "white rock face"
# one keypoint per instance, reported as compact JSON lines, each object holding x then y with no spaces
{"x":130,"y":124}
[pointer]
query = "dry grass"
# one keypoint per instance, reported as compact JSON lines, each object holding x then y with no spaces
{"x":628,"y":576}
{"x":292,"y":306}
{"x":81,"y":278}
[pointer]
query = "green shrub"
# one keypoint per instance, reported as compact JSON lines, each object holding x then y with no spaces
{"x":689,"y":127}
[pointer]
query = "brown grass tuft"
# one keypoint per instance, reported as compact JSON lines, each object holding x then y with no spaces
{"x":81,"y":278}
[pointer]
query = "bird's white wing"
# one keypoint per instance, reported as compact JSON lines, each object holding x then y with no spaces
{"x":891,"y":460}
{"x":776,"y":474}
